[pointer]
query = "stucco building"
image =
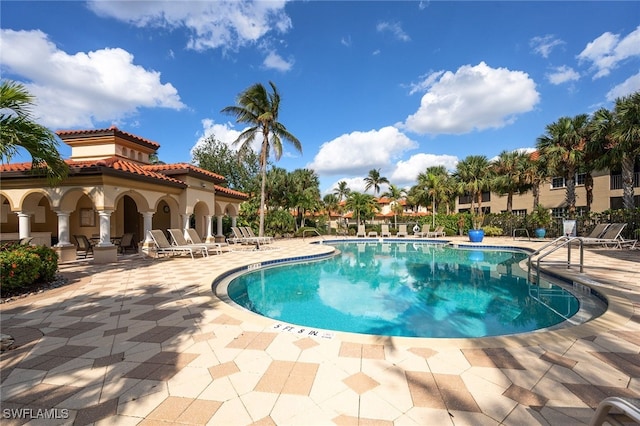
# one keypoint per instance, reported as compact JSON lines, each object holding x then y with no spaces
{"x":112,"y":189}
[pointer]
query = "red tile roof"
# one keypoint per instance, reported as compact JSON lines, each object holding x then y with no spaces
{"x":231,"y":192}
{"x":184,"y":168}
{"x":67,"y":134}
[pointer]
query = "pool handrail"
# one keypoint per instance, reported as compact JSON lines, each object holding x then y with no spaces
{"x":313,"y":231}
{"x":553,"y":246}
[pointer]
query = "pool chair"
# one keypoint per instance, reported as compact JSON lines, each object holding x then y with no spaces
{"x":612,"y":237}
{"x":384,"y":231}
{"x":424,"y":232}
{"x":195,"y":238}
{"x":239,"y":238}
{"x":361,"y":232}
{"x":248,"y":232}
{"x":164,"y":247}
{"x":178,"y":239}
{"x":598,"y":231}
{"x":438,"y":232}
{"x":402,"y":231}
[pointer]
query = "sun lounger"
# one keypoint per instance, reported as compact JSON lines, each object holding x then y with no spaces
{"x":612,"y":237}
{"x":195,"y":238}
{"x":361,"y":232}
{"x":240,"y":238}
{"x":179,"y":240}
{"x":438,"y":232}
{"x":424,"y":232}
{"x":163,"y":246}
{"x":598,"y":231}
{"x":402,"y":231}
{"x":248,"y":232}
{"x":384,"y":231}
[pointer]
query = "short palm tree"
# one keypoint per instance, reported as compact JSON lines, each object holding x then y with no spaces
{"x":474,"y":176}
{"x":362,"y":205}
{"x":395,"y":194}
{"x":374,"y":180}
{"x":509,"y":179}
{"x":19,"y":130}
{"x":260,"y":109}
{"x":563,"y":147}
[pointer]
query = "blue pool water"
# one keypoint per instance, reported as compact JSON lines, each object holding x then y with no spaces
{"x":406,"y":289}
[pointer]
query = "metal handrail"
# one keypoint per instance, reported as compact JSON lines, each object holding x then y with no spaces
{"x":312,"y":230}
{"x":555,"y":245}
{"x":630,"y":407}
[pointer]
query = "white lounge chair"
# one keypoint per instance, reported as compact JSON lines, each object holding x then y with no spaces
{"x":438,"y":232}
{"x":177,"y":235}
{"x":195,"y":238}
{"x":361,"y":231}
{"x":163,"y":246}
{"x":402,"y":231}
{"x":424,"y":232}
{"x":248,"y":232}
{"x":384,"y":231}
{"x":598,"y":231}
{"x":240,"y":238}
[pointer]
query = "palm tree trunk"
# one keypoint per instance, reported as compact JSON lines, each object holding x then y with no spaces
{"x":262,"y":196}
{"x":509,"y":202}
{"x":571,"y":195}
{"x":627,"y":181}
{"x":588,"y":186}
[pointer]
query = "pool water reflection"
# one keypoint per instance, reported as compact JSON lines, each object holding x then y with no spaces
{"x":406,"y":289}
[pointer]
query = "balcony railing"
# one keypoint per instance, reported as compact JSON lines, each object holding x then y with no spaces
{"x":616,"y":181}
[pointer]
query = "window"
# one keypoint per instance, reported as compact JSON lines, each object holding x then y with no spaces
{"x":559,"y":212}
{"x":580,"y":178}
{"x":557,"y":182}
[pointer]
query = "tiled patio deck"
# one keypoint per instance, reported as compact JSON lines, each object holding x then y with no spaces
{"x":145,"y":342}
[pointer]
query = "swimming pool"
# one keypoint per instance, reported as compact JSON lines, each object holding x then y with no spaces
{"x":407,"y":289}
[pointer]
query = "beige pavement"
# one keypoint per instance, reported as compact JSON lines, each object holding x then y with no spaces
{"x":146,"y":342}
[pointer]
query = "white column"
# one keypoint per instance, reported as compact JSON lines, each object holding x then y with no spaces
{"x":219,"y":226}
{"x":233,"y":220}
{"x":147,"y":216}
{"x":24,"y":224}
{"x":209,"y":226}
{"x":105,"y":228}
{"x":63,"y":229}
{"x":185,"y":221}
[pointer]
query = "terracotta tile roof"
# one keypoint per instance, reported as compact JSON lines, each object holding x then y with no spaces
{"x":184,"y":168}
{"x":64,"y":134}
{"x":231,"y":192}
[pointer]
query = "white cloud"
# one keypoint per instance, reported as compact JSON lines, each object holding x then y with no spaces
{"x":406,"y":172}
{"x":225,"y":133}
{"x":608,"y":50}
{"x":474,"y":97}
{"x":544,"y":45}
{"x":356,"y":184}
{"x":562,"y":75}
{"x":528,"y":150}
{"x":426,"y":81}
{"x":275,"y":61}
{"x":77,"y":90}
{"x":359,"y":152}
{"x":627,"y":87}
{"x":394,"y":28}
{"x":226,"y":24}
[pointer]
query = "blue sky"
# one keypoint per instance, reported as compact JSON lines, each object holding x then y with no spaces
{"x":395,"y":86}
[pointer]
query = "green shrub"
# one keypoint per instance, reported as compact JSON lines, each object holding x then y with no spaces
{"x":23,"y":266}
{"x":492,"y":231}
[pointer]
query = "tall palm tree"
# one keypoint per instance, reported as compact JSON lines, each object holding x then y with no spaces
{"x":260,"y":109}
{"x":508,"y":170}
{"x":619,"y":132}
{"x":533,"y":174}
{"x":19,"y":130}
{"x":563,"y":147}
{"x":342,"y":190}
{"x":473,"y":174}
{"x":375,"y":180}
{"x":395,"y":194}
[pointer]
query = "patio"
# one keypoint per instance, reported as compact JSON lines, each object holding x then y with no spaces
{"x":144,"y":341}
